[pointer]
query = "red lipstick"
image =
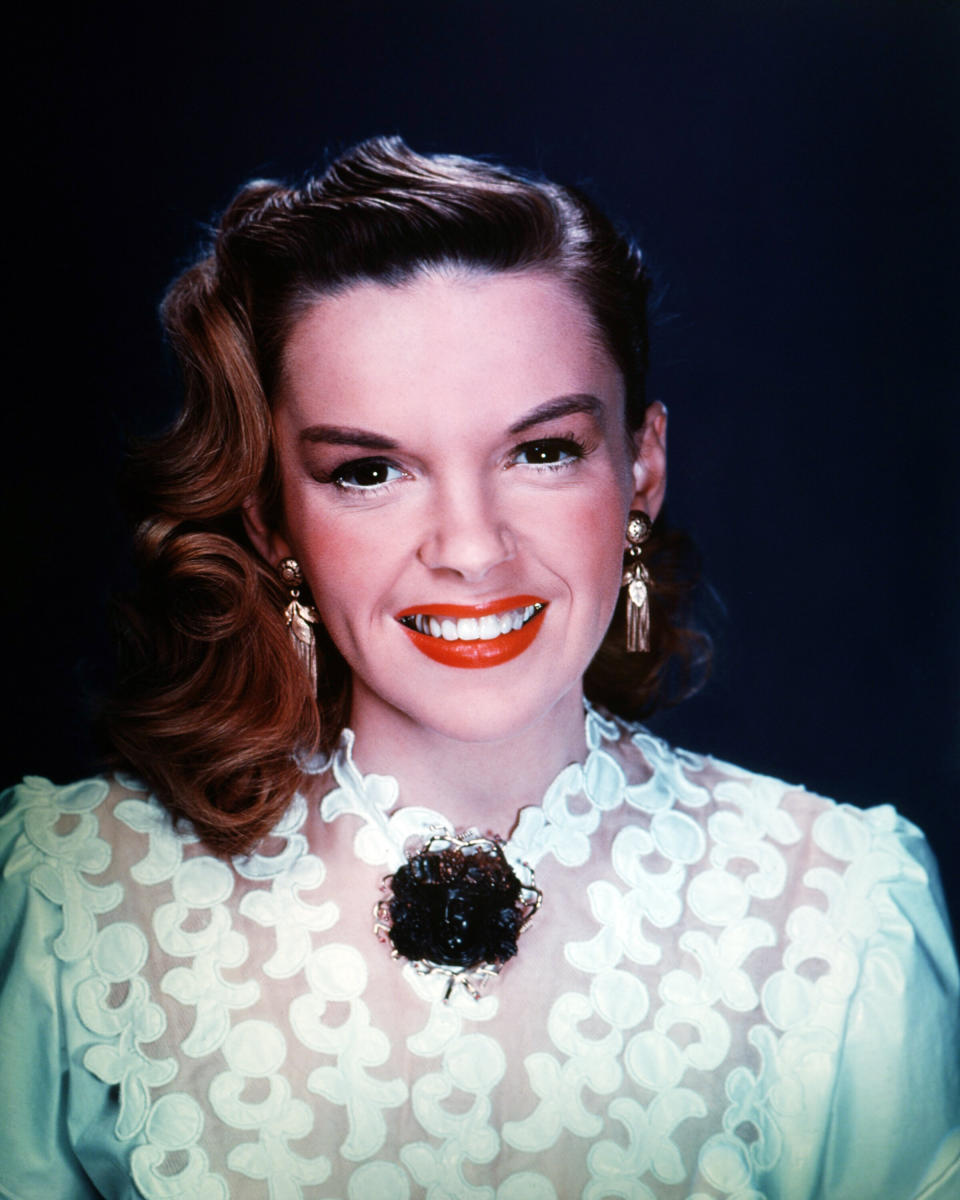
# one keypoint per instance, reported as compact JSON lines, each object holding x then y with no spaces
{"x":475,"y":652}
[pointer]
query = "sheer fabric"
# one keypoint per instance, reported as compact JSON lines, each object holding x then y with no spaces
{"x":733,"y":989}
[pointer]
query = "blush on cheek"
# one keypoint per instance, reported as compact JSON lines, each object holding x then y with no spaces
{"x":601,"y":532}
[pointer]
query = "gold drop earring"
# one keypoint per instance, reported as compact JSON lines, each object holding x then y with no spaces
{"x":300,"y":619}
{"x":636,"y":580}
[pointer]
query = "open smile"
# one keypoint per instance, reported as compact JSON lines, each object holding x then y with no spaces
{"x":482,"y":635}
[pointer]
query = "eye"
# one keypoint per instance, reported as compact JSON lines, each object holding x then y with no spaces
{"x":549,"y":452}
{"x":364,"y":473}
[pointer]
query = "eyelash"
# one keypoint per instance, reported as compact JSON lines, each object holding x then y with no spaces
{"x":570,"y":446}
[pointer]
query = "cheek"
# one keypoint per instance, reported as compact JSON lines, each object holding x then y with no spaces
{"x":343,"y":571}
{"x":591,"y":543}
{"x":332,"y":557}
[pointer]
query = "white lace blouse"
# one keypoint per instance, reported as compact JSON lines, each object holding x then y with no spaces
{"x":733,"y":989}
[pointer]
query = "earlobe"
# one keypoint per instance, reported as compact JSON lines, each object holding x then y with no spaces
{"x":650,"y":461}
{"x":267,"y":541}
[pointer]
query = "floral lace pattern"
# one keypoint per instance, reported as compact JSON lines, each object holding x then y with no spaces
{"x":720,"y":964}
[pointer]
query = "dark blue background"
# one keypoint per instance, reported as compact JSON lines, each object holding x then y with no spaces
{"x":792,"y":170}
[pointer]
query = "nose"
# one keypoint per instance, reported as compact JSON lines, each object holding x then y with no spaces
{"x":466,"y":535}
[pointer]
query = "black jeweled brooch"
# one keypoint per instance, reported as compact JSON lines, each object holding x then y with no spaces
{"x":456,"y":908}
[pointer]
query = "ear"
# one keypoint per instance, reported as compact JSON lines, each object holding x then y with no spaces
{"x":269,"y":542}
{"x":650,"y":461}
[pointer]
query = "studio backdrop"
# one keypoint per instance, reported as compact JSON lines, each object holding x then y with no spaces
{"x":791,"y":170}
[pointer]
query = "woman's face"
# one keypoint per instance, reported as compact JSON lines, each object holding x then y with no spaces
{"x":456,"y":479}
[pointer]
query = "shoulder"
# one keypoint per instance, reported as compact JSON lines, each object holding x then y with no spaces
{"x":729,"y":796}
{"x":68,"y":851}
{"x":42,"y":823}
{"x":853,"y":874}
{"x":54,"y":816}
{"x":63,"y":822}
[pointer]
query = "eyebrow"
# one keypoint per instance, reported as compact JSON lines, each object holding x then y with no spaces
{"x":339,"y":435}
{"x":562,"y":406}
{"x":550,"y":410}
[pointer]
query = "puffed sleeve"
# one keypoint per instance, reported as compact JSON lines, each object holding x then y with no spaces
{"x":36,"y":1158}
{"x":895,"y":1115}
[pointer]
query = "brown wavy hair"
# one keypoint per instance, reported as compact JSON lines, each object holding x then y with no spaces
{"x":212,"y":707}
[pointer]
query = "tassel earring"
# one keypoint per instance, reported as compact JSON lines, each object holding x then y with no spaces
{"x":300,"y":620}
{"x":635,"y":580}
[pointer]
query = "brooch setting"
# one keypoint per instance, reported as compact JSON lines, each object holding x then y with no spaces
{"x":456,"y":908}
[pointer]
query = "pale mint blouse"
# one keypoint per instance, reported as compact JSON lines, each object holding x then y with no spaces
{"x":733,"y":989}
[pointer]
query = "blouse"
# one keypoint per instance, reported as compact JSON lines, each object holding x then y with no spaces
{"x":733,"y":988}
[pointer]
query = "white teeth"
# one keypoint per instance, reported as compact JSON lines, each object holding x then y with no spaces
{"x":489,"y":628}
{"x":472,"y":629}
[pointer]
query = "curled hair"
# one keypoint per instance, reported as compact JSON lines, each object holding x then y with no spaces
{"x":212,"y":708}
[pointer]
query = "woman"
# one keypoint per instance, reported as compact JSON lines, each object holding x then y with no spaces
{"x":379,"y":907}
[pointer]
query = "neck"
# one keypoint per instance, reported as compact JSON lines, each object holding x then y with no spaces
{"x":481,"y":784}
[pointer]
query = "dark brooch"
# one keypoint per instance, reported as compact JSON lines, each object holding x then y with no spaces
{"x":456,"y":908}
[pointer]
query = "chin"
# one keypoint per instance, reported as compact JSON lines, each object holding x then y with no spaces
{"x":492,"y":715}
{"x":475,"y":707}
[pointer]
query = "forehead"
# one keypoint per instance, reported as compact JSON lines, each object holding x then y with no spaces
{"x":502,"y":338}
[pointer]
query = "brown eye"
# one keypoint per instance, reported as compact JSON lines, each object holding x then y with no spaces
{"x":549,"y":452}
{"x":365,"y":473}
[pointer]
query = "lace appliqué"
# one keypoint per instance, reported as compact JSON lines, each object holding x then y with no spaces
{"x":689,"y":1045}
{"x":338,"y":973}
{"x":473,"y":1064}
{"x":60,"y":862}
{"x":119,"y":952}
{"x":256,"y":1050}
{"x":282,"y":908}
{"x":171,"y":1165}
